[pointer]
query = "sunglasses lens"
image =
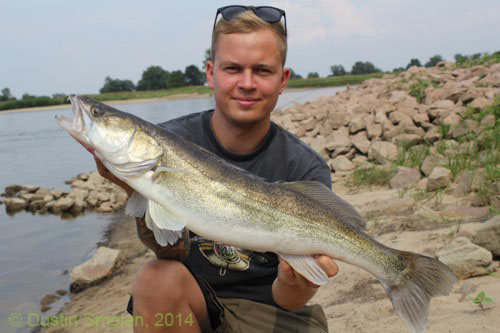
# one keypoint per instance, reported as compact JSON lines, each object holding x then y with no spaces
{"x":268,"y":14}
{"x":229,"y":13}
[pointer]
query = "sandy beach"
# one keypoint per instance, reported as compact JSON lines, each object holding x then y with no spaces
{"x":353,"y":300}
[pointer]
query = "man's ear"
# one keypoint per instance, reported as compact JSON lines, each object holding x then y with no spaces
{"x":285,"y":76}
{"x":209,"y":72}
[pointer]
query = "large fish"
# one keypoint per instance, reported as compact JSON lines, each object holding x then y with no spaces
{"x":179,"y":184}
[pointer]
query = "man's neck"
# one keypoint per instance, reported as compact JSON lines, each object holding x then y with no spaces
{"x":238,"y":140}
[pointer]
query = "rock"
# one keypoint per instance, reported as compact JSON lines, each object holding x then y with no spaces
{"x":476,"y":200}
{"x":464,"y":258}
{"x":429,"y":164}
{"x":420,"y":118}
{"x":452,"y":119}
{"x":61,"y":292}
{"x":432,"y":135}
{"x":56,"y":193}
{"x":15,"y":204}
{"x":361,"y":143}
{"x":357,"y":124}
{"x":465,"y":290}
{"x":404,"y":177}
{"x":49,"y":299}
{"x":383,"y":152}
{"x":374,"y":130}
{"x":464,"y":213}
{"x":105,"y":207}
{"x":479,"y":103}
{"x":488,"y":235}
{"x":59,"y":205}
{"x":467,"y":126}
{"x":12,"y":190}
{"x":100,"y":266}
{"x":30,"y":188}
{"x":407,"y":139}
{"x":336,"y":119}
{"x":341,"y":163}
{"x":488,"y":121}
{"x":440,"y":177}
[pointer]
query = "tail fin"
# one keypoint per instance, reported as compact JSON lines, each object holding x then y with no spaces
{"x":410,"y":295}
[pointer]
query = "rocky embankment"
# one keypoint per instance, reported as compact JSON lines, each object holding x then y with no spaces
{"x":89,"y":192}
{"x":437,"y":128}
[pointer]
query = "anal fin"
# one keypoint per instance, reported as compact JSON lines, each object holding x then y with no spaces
{"x":307,"y":267}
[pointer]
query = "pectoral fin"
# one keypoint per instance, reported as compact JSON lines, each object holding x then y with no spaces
{"x":307,"y":267}
{"x":136,"y":205}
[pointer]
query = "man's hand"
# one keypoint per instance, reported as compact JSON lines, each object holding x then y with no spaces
{"x":105,"y":173}
{"x":291,"y":290}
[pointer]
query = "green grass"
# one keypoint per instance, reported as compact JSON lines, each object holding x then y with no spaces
{"x":199,"y":90}
{"x":411,"y":157}
{"x":371,"y":176}
{"x":417,"y":89}
{"x":333,"y":81}
{"x":485,"y":59}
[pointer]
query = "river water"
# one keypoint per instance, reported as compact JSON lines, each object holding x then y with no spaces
{"x":37,"y":251}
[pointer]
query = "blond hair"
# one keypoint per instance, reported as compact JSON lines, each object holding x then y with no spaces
{"x":247,"y":22}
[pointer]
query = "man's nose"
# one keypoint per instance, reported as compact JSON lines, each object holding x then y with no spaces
{"x":246,"y":80}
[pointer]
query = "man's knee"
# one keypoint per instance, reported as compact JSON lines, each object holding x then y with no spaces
{"x":160,"y":276}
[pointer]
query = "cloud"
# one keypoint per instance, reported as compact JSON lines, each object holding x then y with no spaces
{"x":327,"y":20}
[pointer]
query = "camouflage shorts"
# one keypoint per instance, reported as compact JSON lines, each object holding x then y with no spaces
{"x":240,"y":315}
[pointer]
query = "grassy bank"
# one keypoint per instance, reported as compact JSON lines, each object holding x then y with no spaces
{"x":192,"y":90}
{"x":333,"y":81}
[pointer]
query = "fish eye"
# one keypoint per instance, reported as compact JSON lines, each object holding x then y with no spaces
{"x":95,"y":111}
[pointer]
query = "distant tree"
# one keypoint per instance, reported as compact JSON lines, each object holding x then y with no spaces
{"x":312,"y":75}
{"x":6,"y":95}
{"x":153,"y":78}
{"x":366,"y":67}
{"x":460,"y":58}
{"x":193,"y":76}
{"x":337,"y":70}
{"x":59,"y":95}
{"x":414,"y":62}
{"x":433,"y":61}
{"x":207,"y":57}
{"x":294,"y":76}
{"x":176,"y":79}
{"x":116,"y":85}
{"x":27,"y":96}
{"x":398,"y":69}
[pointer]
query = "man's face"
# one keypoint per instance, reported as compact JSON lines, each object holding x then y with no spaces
{"x":247,"y":77}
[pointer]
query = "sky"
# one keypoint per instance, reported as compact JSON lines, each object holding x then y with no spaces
{"x":70,"y":46}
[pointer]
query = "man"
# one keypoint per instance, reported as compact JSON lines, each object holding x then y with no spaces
{"x":208,"y":286}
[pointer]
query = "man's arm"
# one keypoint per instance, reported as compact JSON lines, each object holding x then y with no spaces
{"x":178,"y":251}
{"x":291,"y":290}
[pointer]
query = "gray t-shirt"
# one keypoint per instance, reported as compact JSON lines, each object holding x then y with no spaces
{"x":234,"y":272}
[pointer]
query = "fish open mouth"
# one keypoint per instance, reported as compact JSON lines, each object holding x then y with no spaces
{"x":78,"y":124}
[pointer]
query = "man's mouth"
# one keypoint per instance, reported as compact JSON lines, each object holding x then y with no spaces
{"x":246,"y":102}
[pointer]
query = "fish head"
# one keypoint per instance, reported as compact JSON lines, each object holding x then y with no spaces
{"x":113,"y":136}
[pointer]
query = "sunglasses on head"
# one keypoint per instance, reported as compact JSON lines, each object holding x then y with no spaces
{"x":267,"y":13}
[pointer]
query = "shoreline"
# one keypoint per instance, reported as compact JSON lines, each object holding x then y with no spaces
{"x":138,"y":100}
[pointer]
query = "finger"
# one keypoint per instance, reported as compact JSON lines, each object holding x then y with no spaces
{"x":327,"y":264}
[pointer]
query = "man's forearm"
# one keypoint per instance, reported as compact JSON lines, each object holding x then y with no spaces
{"x":178,"y":251}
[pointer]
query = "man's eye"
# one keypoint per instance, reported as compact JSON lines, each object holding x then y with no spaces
{"x":231,"y":69}
{"x":263,"y":71}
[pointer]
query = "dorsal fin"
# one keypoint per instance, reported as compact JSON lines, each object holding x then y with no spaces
{"x":319,"y":192}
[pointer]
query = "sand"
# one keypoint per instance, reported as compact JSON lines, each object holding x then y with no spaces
{"x":353,"y":300}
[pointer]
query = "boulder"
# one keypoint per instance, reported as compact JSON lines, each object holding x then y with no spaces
{"x":357,"y":124}
{"x":100,"y":266}
{"x":361,"y":142}
{"x":488,"y":235}
{"x":105,"y":207}
{"x":341,"y":163}
{"x":430,"y":162}
{"x":374,"y":130}
{"x":383,"y":152}
{"x":464,"y":258}
{"x":432,"y":135}
{"x":467,"y":126}
{"x":440,"y":177}
{"x":464,"y":213}
{"x":15,"y":204}
{"x":12,"y":190}
{"x":405,"y":177}
{"x":479,"y":103}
